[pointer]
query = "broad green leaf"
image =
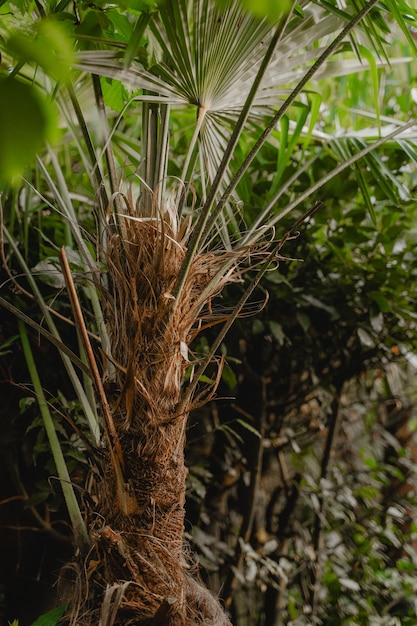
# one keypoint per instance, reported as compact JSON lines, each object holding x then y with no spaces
{"x":270,"y":9}
{"x":114,"y":93}
{"x":27,"y":120}
{"x":22,"y":5}
{"x":383,"y":303}
{"x":404,"y":564}
{"x":137,"y":6}
{"x":52,"y":49}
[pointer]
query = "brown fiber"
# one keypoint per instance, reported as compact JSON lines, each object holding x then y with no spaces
{"x":134,"y":573}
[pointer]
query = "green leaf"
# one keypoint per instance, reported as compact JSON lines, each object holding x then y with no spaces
{"x":135,"y":38}
{"x":277,"y":332}
{"x":115,"y":94}
{"x":303,"y":320}
{"x":367,"y":493}
{"x":4,"y":347}
{"x":249,"y":427}
{"x":405,"y":565}
{"x":138,"y":5}
{"x":269,"y":9}
{"x":52,"y":49}
{"x":229,"y":430}
{"x":22,"y":5}
{"x":288,"y":143}
{"x":229,"y":377}
{"x":315,"y":302}
{"x":26,"y":121}
{"x":51,"y":618}
{"x":381,"y":301}
{"x":371,"y":462}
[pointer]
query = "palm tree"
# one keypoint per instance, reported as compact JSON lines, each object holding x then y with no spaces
{"x":166,"y":246}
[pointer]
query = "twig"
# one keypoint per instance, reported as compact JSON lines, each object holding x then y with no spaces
{"x":126,"y":500}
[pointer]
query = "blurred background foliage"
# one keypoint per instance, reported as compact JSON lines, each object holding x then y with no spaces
{"x":326,"y":373}
{"x":302,"y":471}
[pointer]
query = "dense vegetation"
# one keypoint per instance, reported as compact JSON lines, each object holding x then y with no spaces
{"x":126,"y":244}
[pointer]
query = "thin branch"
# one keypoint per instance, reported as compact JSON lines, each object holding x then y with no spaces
{"x":126,"y":501}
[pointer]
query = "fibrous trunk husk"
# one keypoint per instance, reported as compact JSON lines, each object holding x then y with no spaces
{"x":137,"y":563}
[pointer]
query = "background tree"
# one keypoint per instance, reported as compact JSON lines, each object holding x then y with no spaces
{"x":142,"y":270}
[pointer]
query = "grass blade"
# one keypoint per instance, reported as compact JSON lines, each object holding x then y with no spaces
{"x":77,"y":522}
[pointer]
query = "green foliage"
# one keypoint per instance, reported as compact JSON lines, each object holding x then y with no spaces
{"x":268,"y":9}
{"x":62,"y":466}
{"x":52,"y":617}
{"x":50,"y":47}
{"x":27,"y":119}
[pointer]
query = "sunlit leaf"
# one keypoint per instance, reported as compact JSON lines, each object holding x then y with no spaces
{"x":27,"y":120}
{"x":52,"y":49}
{"x":269,"y":9}
{"x":115,"y":94}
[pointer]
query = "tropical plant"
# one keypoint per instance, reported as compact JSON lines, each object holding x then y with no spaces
{"x":155,"y":230}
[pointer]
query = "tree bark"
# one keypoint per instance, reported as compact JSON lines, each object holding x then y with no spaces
{"x":138,"y":524}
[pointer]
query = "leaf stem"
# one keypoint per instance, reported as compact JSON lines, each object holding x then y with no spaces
{"x":77,"y":522}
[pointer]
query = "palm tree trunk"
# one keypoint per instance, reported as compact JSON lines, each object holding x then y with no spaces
{"x":138,"y":540}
